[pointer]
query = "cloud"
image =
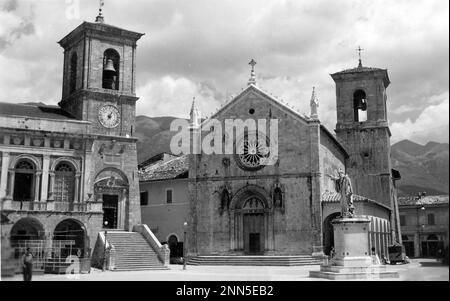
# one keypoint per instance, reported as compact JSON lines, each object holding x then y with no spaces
{"x":431,"y":125}
{"x":202,"y":48}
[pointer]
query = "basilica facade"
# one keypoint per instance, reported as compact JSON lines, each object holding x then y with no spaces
{"x":69,"y":171}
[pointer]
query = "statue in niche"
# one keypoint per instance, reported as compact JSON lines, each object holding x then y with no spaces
{"x":225,"y":199}
{"x":277,"y":198}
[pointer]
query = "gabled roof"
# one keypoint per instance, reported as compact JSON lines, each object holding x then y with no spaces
{"x":34,"y":110}
{"x":259,"y":91}
{"x":164,"y":170}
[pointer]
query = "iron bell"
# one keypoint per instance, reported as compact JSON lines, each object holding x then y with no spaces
{"x":109,"y":67}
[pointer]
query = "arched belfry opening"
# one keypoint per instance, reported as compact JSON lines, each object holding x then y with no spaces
{"x":360,"y":106}
{"x":111,"y":69}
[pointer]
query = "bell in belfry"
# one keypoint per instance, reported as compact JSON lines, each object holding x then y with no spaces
{"x":109,"y":67}
{"x":109,"y":75}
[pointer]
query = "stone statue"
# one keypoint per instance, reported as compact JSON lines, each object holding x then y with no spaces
{"x":344,"y":187}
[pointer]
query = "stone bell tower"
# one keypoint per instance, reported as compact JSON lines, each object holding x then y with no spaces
{"x":362,"y":127}
{"x":99,"y":88}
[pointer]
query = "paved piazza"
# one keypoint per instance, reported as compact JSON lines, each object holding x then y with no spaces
{"x":417,"y":270}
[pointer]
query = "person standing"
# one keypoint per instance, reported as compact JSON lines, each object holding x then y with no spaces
{"x":27,"y":265}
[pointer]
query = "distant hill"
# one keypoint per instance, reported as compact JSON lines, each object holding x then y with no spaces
{"x":422,"y":167}
{"x":154,"y":136}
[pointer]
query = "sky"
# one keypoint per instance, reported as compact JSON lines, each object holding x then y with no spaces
{"x":201,"y":49}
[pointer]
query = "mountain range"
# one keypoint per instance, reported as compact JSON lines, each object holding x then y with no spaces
{"x":422,"y":167}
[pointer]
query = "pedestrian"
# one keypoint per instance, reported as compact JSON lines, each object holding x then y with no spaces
{"x":27,"y":265}
{"x":332,"y":252}
{"x":375,"y":258}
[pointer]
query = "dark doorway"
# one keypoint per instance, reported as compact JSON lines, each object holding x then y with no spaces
{"x":23,"y":187}
{"x":110,"y":211}
{"x":254,"y":243}
{"x":328,"y":232}
{"x":254,"y":234}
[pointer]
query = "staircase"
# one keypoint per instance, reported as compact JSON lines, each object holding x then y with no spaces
{"x":255,"y":260}
{"x":132,"y":252}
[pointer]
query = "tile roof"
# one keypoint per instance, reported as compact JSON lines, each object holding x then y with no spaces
{"x":163,"y":170}
{"x":335,"y":197}
{"x":34,"y":110}
{"x":359,"y":70}
{"x":425,"y":200}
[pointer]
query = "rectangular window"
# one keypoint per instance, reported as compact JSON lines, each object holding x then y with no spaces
{"x":144,"y":198}
{"x":431,"y":219}
{"x":402,"y":220}
{"x":169,"y":193}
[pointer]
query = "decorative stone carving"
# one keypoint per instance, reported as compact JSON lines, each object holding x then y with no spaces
{"x":38,"y":142}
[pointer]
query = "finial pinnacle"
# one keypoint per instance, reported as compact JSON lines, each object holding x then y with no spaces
{"x":252,"y":80}
{"x":100,"y":18}
{"x":314,"y":104}
{"x":359,"y":49}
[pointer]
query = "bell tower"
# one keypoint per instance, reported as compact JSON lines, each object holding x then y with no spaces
{"x":362,"y":127}
{"x":99,"y":89}
{"x":99,"y":76}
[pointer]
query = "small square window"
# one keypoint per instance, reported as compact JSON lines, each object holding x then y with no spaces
{"x":169,"y":196}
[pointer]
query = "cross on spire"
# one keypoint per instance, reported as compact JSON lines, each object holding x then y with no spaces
{"x":359,"y":49}
{"x":100,"y":18}
{"x":252,"y":80}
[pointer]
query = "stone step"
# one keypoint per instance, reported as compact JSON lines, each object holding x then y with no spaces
{"x":255,"y":260}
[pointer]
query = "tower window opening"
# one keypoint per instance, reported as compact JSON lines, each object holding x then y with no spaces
{"x":73,"y":72}
{"x":111,"y":64}
{"x":360,"y":106}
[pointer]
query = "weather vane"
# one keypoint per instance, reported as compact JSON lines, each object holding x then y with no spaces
{"x":100,"y":18}
{"x":359,"y":49}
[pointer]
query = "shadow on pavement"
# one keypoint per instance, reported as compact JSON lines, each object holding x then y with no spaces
{"x":431,"y":264}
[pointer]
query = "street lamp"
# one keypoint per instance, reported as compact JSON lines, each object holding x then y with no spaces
{"x":184,"y":245}
{"x":104,"y":249}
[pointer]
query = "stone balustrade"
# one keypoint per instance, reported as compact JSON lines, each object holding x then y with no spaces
{"x":50,"y":205}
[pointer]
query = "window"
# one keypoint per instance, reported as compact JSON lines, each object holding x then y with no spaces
{"x":64,"y":183}
{"x":169,"y":194}
{"x":24,"y":181}
{"x":73,"y":72}
{"x":431,"y":219}
{"x":402,"y":220}
{"x":360,"y":106}
{"x":111,"y":71}
{"x":144,"y":198}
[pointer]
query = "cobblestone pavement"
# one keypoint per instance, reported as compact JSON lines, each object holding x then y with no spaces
{"x":417,"y":270}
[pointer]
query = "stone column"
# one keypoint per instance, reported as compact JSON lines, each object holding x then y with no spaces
{"x":4,"y":174}
{"x":10,"y":190}
{"x":44,"y":179}
{"x":52,"y":186}
{"x":416,"y":244}
{"x":37,"y":185}
{"x":77,"y":188}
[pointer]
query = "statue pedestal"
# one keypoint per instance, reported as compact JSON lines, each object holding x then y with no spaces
{"x":352,"y":258}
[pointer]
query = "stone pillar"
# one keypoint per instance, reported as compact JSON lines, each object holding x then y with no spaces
{"x":37,"y":185}
{"x":10,"y":190}
{"x":52,"y":186}
{"x":44,"y":180}
{"x":77,"y":188}
{"x":416,"y":244}
{"x":4,"y":174}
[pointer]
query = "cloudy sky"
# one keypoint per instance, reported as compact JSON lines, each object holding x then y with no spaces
{"x":202,"y":48}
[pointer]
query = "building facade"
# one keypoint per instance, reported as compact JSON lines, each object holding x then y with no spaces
{"x":424,"y":222}
{"x":69,"y":171}
{"x":239,"y":206}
